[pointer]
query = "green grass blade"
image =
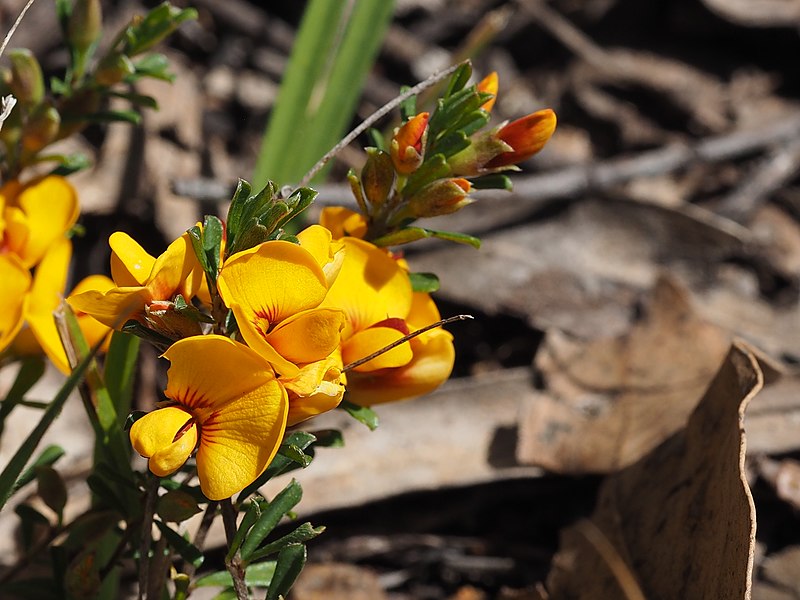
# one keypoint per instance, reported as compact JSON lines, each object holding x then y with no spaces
{"x":310,"y":54}
{"x":354,"y":59}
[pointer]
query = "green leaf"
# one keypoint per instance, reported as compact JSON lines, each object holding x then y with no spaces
{"x":257,"y":574}
{"x":459,"y":79}
{"x":251,"y":515}
{"x":271,"y":514}
{"x":188,"y":551}
{"x":144,"y":33}
{"x":176,"y":506}
{"x":30,"y":372}
{"x":329,"y":438}
{"x":424,"y":282}
{"x":362,"y":414}
{"x":153,"y":65}
{"x":310,"y":54}
{"x":412,"y":234}
{"x":212,"y":241}
{"x":47,"y":458}
{"x":51,"y":489}
{"x":295,"y":454}
{"x":113,"y":116}
{"x":280,"y":464}
{"x":10,"y":474}
{"x":302,"y":534}
{"x":120,"y":371}
{"x":290,"y":562}
{"x":70,"y":163}
{"x":136,"y":99}
{"x":408,"y":107}
{"x":90,"y":527}
{"x":493,"y":181}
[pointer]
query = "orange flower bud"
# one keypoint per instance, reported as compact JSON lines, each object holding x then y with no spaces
{"x":526,"y":136}
{"x":408,"y":144}
{"x":489,"y":85}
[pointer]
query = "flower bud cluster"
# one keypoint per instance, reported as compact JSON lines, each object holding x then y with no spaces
{"x":435,"y":159}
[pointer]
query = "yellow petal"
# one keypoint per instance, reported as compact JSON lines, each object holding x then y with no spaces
{"x":370,"y":287}
{"x":92,"y":329}
{"x":51,"y":207}
{"x":49,"y":281}
{"x":14,"y":299}
{"x":153,"y":436}
{"x":423,"y":311}
{"x":17,"y":232}
{"x":318,"y":388}
{"x":365,"y":342}
{"x":255,"y":335}
{"x":308,"y":336}
{"x":273,"y":281}
{"x":240,"y":407}
{"x":328,"y":254}
{"x":343,"y":222}
{"x":113,"y":307}
{"x":131,"y":265}
{"x":172,"y":269}
{"x":431,"y":366}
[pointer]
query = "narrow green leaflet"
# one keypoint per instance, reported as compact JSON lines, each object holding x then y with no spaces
{"x":271,"y":514}
{"x":184,"y":547}
{"x":257,"y":574}
{"x":290,"y":562}
{"x":362,"y":414}
{"x":424,"y":282}
{"x":29,"y":373}
{"x":300,"y":535}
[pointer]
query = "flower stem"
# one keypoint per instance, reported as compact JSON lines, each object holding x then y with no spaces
{"x":147,"y":534}
{"x":234,"y":565}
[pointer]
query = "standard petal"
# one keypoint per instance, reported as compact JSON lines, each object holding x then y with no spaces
{"x":431,"y":366}
{"x":272,"y":281}
{"x":373,"y":339}
{"x":308,"y":336}
{"x":239,"y":441}
{"x":131,"y":265}
{"x":207,"y":372}
{"x":14,"y":299}
{"x":253,"y":331}
{"x":370,"y":287}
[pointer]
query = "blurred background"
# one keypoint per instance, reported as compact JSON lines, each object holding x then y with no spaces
{"x":659,"y":224}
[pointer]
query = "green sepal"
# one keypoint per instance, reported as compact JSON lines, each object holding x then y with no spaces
{"x":459,"y":79}
{"x":257,"y":574}
{"x":302,"y":534}
{"x":358,"y":193}
{"x":452,"y":143}
{"x":493,"y":181}
{"x":190,"y":311}
{"x":133,"y":327}
{"x":188,"y":551}
{"x":434,"y":167}
{"x":362,"y":414}
{"x":290,"y":562}
{"x":271,"y":514}
{"x":424,"y":282}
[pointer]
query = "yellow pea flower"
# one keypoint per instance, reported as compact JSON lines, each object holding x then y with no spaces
{"x":141,"y":280}
{"x":35,"y":216}
{"x":343,"y":222}
{"x":274,"y":291}
{"x":317,"y":388}
{"x":227,"y":403}
{"x":374,"y":291}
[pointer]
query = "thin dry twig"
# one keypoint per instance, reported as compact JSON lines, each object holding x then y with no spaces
{"x":14,"y":26}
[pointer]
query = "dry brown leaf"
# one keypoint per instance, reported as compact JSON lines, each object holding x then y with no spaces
{"x":680,"y":523}
{"x":610,"y":401}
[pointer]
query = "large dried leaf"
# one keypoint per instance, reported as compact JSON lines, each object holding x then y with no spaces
{"x":610,"y":401}
{"x":680,"y":523}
